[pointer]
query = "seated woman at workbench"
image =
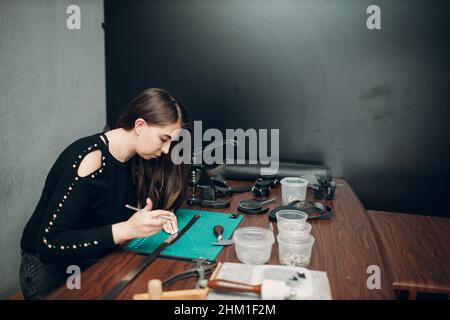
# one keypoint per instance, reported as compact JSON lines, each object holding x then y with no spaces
{"x":81,"y":215}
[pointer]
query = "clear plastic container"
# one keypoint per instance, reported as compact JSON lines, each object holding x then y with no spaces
{"x":292,"y":189}
{"x":297,"y":228}
{"x":253,"y":245}
{"x":295,"y":250}
{"x":291,"y":221}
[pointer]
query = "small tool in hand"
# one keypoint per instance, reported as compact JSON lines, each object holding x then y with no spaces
{"x":218,"y":231}
{"x":137,"y":209}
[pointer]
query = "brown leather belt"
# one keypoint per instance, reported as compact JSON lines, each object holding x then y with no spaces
{"x":147,"y":260}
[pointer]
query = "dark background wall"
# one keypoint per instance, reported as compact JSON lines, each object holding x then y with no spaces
{"x":371,"y":104}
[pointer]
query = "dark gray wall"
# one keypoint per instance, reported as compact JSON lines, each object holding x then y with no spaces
{"x":52,"y":91}
{"x":372,"y":105}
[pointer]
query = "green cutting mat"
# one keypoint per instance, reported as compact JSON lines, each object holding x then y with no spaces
{"x":196,"y":242}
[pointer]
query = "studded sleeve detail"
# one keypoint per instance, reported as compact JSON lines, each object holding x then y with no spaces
{"x":62,"y":237}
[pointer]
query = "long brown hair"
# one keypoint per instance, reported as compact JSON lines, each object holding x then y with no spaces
{"x":159,"y":178}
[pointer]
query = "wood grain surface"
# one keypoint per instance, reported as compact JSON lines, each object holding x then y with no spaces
{"x":345,"y":246}
{"x":416,"y":250}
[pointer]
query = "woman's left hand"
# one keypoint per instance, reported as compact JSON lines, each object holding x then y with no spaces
{"x":172,"y":225}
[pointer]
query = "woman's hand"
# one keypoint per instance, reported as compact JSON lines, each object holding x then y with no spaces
{"x":144,"y":223}
{"x":171,"y":226}
{"x":170,"y":221}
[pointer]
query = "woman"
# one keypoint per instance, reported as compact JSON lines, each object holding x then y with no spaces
{"x":81,"y":215}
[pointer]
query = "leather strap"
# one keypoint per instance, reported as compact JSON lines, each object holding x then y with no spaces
{"x":146,"y":261}
{"x":322,"y":211}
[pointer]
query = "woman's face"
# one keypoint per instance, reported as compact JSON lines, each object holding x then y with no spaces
{"x":153,"y":140}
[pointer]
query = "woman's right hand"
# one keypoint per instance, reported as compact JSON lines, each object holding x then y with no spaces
{"x":141,"y":224}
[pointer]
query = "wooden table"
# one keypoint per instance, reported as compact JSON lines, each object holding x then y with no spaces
{"x":416,"y":249}
{"x":345,"y":247}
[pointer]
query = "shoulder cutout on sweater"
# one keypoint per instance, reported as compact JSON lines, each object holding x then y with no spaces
{"x":90,"y":163}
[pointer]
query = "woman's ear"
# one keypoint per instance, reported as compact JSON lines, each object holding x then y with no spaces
{"x":139,"y":125}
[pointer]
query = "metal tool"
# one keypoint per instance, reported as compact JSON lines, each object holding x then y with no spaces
{"x":253,"y":206}
{"x":201,"y":277}
{"x":147,"y":260}
{"x":200,"y":179}
{"x":261,"y":188}
{"x":223,"y":189}
{"x":201,"y":267}
{"x":218,"y":232}
{"x":326,"y":189}
{"x":155,"y":290}
{"x":137,"y":209}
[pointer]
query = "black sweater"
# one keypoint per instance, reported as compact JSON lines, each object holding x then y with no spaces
{"x":73,"y":219}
